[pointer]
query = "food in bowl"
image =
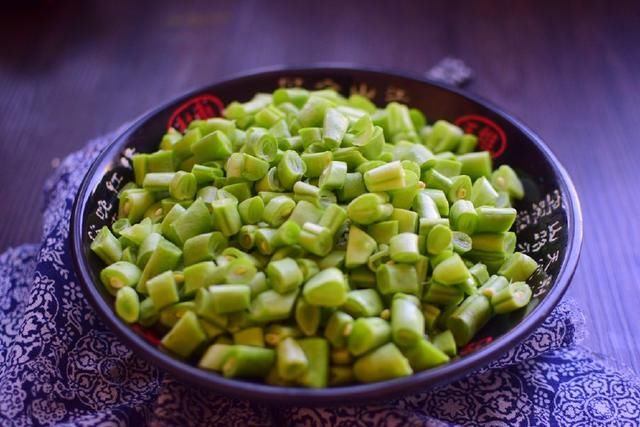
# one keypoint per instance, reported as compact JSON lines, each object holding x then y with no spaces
{"x":313,"y":240}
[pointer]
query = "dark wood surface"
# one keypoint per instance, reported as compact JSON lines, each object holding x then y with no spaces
{"x":71,"y":70}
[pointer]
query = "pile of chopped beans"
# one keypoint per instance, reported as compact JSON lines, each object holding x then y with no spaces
{"x":308,"y":239}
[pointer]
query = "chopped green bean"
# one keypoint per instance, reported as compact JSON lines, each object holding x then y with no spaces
{"x":425,"y":206}
{"x":230,"y":298}
{"x":467,"y":144}
{"x":106,"y":246}
{"x":494,"y":220}
{"x":265,"y":240}
{"x":206,"y":174}
{"x":333,"y":259}
{"x":404,"y":248}
{"x":270,"y":306}
{"x":425,"y":355}
{"x":381,"y":364}
{"x":493,"y":285}
{"x":296,"y":96}
{"x":328,"y":288}
{"x":359,"y":247}
{"x":307,"y":212}
{"x":480,"y":273}
{"x":226,"y":216}
{"x":439,"y":239}
{"x":291,"y":359}
{"x":307,"y":317}
{"x":201,"y":275}
{"x":316,"y":351}
{"x":518,"y":267}
{"x":278,"y":210}
{"x":214,"y":146}
{"x":352,"y":188}
{"x":316,"y":239}
{"x":500,"y":243}
{"x":477,"y":164}
{"x":240,"y":271}
{"x":164,"y":257}
{"x":253,"y":336}
{"x":285,"y":275}
{"x":383,"y":231}
{"x":483,"y":193}
{"x":203,"y":247}
{"x":244,"y":361}
{"x":448,"y":167}
{"x":161,"y":161}
{"x":451,"y":271}
{"x":446,"y":343}
{"x":463,"y":217}
{"x":288,"y":234}
{"x":290,"y":169}
{"x":338,"y":329}
{"x":215,"y":356}
{"x":393,"y":278}
{"x":369,"y":208}
{"x":333,"y":176}
{"x":388,"y":177}
{"x":261,"y":144}
{"x":185,"y":336}
{"x":461,"y":242}
{"x":505,"y":179}
{"x":437,"y":293}
{"x":269,"y":182}
{"x":127,"y":304}
{"x":407,"y":320}
{"x":469,"y":318}
{"x":316,"y":162}
{"x":119,"y":275}
{"x":434,"y":179}
{"x":363,"y":303}
{"x":195,"y":220}
{"x":367,"y":334}
{"x":340,"y":375}
{"x":407,"y":220}
{"x":170,"y":315}
{"x":334,"y":127}
{"x":503,"y":200}
{"x":516,"y":295}
{"x":163,"y":290}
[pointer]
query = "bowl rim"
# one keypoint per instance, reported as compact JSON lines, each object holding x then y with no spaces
{"x":354,"y":394}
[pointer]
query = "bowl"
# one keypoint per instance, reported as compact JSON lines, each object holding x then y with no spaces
{"x":549,"y":224}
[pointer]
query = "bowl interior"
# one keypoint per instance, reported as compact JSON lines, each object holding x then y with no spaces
{"x":547,"y":226}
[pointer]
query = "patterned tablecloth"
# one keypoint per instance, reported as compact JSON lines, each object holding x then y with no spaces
{"x":60,"y":365}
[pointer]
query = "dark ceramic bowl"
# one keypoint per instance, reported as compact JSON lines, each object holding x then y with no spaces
{"x":549,"y":224}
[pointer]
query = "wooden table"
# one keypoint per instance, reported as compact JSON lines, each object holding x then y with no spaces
{"x":570,"y":70}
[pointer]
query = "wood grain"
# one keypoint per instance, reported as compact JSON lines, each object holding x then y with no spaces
{"x":72,"y":70}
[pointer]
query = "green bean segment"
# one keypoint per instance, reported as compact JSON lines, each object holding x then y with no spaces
{"x":307,"y":239}
{"x":367,"y":334}
{"x":127,"y":304}
{"x":291,"y":359}
{"x":516,"y":295}
{"x":407,"y":320}
{"x":384,"y":363}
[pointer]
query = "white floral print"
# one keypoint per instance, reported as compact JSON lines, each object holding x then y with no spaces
{"x":59,"y":365}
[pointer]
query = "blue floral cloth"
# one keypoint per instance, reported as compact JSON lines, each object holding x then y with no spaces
{"x":59,"y":365}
